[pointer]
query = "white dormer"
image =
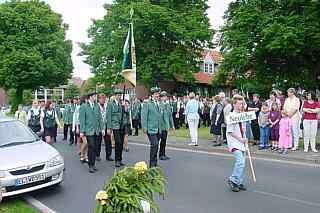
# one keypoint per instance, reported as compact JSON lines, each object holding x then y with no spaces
{"x":208,"y":63}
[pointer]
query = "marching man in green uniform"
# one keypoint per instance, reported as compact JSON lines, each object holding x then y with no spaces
{"x":166,"y":123}
{"x":115,"y":125}
{"x":67,"y":121}
{"x":150,"y":120}
{"x":136,"y":114}
{"x":91,"y":125}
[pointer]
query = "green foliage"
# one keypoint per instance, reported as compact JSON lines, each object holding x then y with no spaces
{"x":26,"y":98}
{"x":33,"y":49}
{"x":72,"y":91}
{"x":169,"y":38}
{"x":127,"y":188}
{"x":278,"y":40}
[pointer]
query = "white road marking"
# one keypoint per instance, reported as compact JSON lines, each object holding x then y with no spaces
{"x":231,"y":156}
{"x":38,"y":205}
{"x":308,"y":203}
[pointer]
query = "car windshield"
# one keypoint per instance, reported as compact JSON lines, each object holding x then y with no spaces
{"x":15,"y":133}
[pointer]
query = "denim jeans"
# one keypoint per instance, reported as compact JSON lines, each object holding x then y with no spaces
{"x":264,"y":136}
{"x":238,"y":168}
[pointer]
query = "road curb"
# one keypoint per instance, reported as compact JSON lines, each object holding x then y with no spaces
{"x":38,"y":205}
{"x":254,"y":154}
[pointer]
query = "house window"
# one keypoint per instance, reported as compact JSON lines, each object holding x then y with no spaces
{"x":210,"y":68}
{"x":206,"y":67}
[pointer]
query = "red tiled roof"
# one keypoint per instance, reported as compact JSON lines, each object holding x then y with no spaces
{"x":217,"y":57}
{"x":203,"y":78}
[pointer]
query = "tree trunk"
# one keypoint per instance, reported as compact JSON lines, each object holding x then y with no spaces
{"x":17,"y":99}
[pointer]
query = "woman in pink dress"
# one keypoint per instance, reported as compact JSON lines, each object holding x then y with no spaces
{"x":285,"y":134}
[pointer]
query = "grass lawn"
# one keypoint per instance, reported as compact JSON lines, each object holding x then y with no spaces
{"x":15,"y":206}
{"x":204,"y":133}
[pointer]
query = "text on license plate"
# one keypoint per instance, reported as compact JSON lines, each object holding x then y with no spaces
{"x":30,"y":179}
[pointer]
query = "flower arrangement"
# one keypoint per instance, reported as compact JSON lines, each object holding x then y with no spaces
{"x":129,"y":187}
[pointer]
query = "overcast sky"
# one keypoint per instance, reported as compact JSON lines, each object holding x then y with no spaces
{"x":78,"y":14}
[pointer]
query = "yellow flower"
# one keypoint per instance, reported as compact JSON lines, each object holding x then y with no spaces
{"x":141,"y":167}
{"x":103,"y":202}
{"x":101,"y":196}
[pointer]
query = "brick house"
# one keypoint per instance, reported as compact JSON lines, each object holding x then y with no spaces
{"x":202,"y":85}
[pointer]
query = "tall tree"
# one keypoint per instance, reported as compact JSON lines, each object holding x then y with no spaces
{"x":33,"y":49}
{"x":72,"y":91}
{"x":277,"y":41}
{"x":169,"y":38}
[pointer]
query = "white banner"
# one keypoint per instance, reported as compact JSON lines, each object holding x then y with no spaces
{"x":234,"y":117}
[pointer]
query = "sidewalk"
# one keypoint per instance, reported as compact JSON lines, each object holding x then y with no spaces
{"x":181,"y":142}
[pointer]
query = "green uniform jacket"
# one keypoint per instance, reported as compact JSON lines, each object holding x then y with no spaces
{"x":68,"y":114}
{"x":174,"y":106}
{"x":166,"y":121}
{"x":90,"y":120}
{"x":114,"y":114}
{"x":150,"y":117}
{"x":136,"y":111}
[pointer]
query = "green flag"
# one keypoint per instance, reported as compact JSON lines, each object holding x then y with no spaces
{"x":129,"y":57}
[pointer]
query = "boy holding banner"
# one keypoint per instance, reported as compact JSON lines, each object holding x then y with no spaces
{"x":236,"y":139}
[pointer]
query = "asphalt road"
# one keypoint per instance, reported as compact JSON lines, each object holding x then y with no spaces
{"x":196,"y":183}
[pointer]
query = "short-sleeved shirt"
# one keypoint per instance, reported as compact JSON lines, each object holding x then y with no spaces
{"x":234,"y":143}
{"x":308,"y":105}
{"x":291,"y":105}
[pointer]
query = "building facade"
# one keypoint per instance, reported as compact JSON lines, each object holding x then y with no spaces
{"x":202,"y":85}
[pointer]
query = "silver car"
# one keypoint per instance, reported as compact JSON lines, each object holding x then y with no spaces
{"x":26,"y":162}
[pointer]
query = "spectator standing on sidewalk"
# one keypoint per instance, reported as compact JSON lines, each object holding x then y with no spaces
{"x":255,"y":106}
{"x":274,"y":119}
{"x":310,"y":121}
{"x":226,"y":110}
{"x":285,"y":133}
{"x":193,"y":117}
{"x":216,"y":121}
{"x":263,"y":121}
{"x":292,"y":105}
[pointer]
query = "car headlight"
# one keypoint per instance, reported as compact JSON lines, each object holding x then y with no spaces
{"x":57,"y":160}
{"x":2,"y":174}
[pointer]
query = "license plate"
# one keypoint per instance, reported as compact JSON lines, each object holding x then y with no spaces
{"x":30,"y":179}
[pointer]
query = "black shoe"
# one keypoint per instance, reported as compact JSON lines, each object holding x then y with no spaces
{"x":167,"y":158}
{"x":162,"y":158}
{"x":91,"y":170}
{"x":233,"y":186}
{"x":98,"y":159}
{"x":95,"y":168}
{"x":217,"y":144}
{"x":242,"y":188}
{"x":122,"y":164}
{"x":109,"y":159}
{"x":82,"y":161}
{"x":261,"y":148}
{"x":117,"y":164}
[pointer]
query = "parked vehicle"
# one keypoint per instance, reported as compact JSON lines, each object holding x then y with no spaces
{"x":26,"y":162}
